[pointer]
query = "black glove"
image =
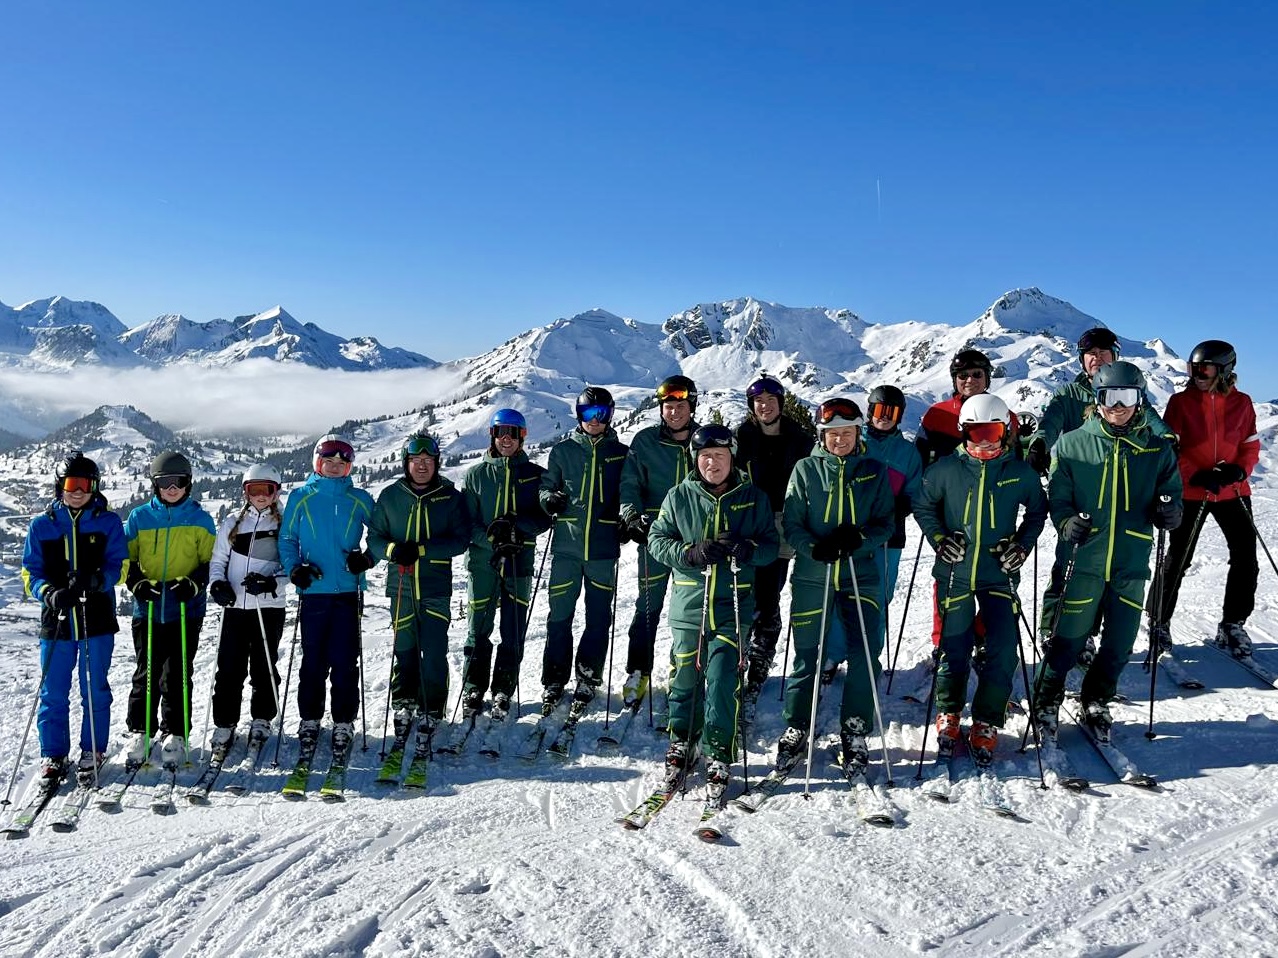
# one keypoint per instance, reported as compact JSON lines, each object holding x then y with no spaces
{"x":222,"y":593}
{"x":145,"y":590}
{"x":184,"y":589}
{"x":1076,"y":529}
{"x":1166,"y":515}
{"x":742,"y":550}
{"x":708,"y":552}
{"x":849,"y":539}
{"x":257,"y":584}
{"x":93,"y":581}
{"x":357,"y":561}
{"x":303,"y":575}
{"x":60,"y":600}
{"x":405,"y":553}
{"x":1230,"y":473}
{"x":1011,"y":554}
{"x":1208,"y":479}
{"x":556,"y":502}
{"x":636,"y":529}
{"x":826,"y":549}
{"x":1038,"y":457}
{"x":953,"y":548}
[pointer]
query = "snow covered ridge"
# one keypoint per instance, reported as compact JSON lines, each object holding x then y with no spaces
{"x":57,"y":333}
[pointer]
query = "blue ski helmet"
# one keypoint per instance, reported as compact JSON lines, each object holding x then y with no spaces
{"x":508,"y":417}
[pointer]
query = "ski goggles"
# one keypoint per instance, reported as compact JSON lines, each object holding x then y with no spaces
{"x":507,"y":432}
{"x":1118,"y":397}
{"x":665,"y":392}
{"x":338,"y":448}
{"x":594,"y":413}
{"x":260,"y":487}
{"x":881,"y":410}
{"x":984,"y":433}
{"x":1097,"y":339}
{"x":418,"y":446}
{"x":171,"y":482}
{"x":712,"y":436}
{"x":838,"y":412}
{"x":764,"y":387}
{"x":1203,"y":370}
{"x":78,"y":484}
{"x":970,"y":374}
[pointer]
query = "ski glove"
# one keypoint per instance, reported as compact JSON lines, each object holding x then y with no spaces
{"x":222,"y":593}
{"x":826,"y":550}
{"x":742,"y":550}
{"x":556,"y":502}
{"x":1038,"y":457}
{"x":184,"y":589}
{"x":60,"y":600}
{"x":303,"y":575}
{"x":144,"y":590}
{"x":93,"y":581}
{"x":1207,"y":479}
{"x":1076,"y":529}
{"x":953,"y":548}
{"x":706,"y":553}
{"x":636,"y":529}
{"x":1166,"y":515}
{"x":1011,"y":554}
{"x":257,"y":584}
{"x":357,"y":562}
{"x":849,"y":539}
{"x":404,"y":554}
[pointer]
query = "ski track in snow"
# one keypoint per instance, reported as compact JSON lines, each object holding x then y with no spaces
{"x":506,"y":858}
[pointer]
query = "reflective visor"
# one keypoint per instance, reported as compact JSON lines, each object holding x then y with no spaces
{"x":514,"y":432}
{"x":665,"y":392}
{"x":1117,"y":397}
{"x":171,"y":482}
{"x":260,"y":487}
{"x":595,"y":413}
{"x":881,"y":410}
{"x":984,"y":432}
{"x":78,"y":484}
{"x":336,"y":447}
{"x":418,"y":445}
{"x":761,"y":386}
{"x":837,"y":409}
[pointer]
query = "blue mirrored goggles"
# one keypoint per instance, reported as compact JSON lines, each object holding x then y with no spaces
{"x":419,"y":445}
{"x":1118,"y":397}
{"x":596,"y":413}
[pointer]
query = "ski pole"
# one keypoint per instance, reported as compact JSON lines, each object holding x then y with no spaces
{"x":399,"y":595}
{"x":1029,"y":692}
{"x":87,"y":663}
{"x":1246,"y":501}
{"x":785,"y":655}
{"x":1154,"y":651}
{"x":816,"y":685}
{"x":288,"y":679}
{"x":1190,"y":545}
{"x":647,"y":619}
{"x":186,"y":688}
{"x":612,"y":635}
{"x":904,"y":614}
{"x":44,"y":672}
{"x":359,"y":638}
{"x":150,"y":620}
{"x":217,"y":654}
{"x":870,"y":662}
{"x":706,"y":572}
{"x":944,"y":607}
{"x":267,"y":657}
{"x":887,"y":602}
{"x":741,"y":668}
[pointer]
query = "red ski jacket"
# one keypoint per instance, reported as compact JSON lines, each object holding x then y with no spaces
{"x":1213,"y":427}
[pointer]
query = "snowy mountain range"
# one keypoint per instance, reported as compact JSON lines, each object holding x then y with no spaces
{"x":58,"y":333}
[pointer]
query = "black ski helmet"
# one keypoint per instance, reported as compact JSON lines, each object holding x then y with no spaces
{"x":170,"y":463}
{"x":966,"y":359}
{"x":1098,"y":337}
{"x":76,"y":464}
{"x":887,"y":396}
{"x":1217,"y":352}
{"x":1119,"y":375}
{"x":712,"y":436}
{"x":678,"y":387}
{"x":595,"y":396}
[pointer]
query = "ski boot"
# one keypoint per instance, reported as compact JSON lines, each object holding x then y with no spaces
{"x":982,"y":740}
{"x":1096,"y":717}
{"x":550,"y":697}
{"x":1233,"y":638}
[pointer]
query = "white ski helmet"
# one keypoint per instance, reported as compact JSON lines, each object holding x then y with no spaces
{"x":261,"y":472}
{"x":985,"y":410}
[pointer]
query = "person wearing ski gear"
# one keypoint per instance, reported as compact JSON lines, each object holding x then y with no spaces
{"x":1215,"y":424}
{"x":715,"y":529}
{"x":659,"y":460}
{"x":323,"y":525}
{"x":581,"y":489}
{"x":769,"y":445}
{"x":71,"y":562}
{"x":885,"y":408}
{"x":503,"y":502}
{"x":247,"y":580}
{"x":982,"y":510}
{"x":1105,"y":492}
{"x":838,"y":512}
{"x":170,"y":540}
{"x":971,"y":374}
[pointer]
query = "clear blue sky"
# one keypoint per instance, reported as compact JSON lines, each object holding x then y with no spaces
{"x":444,"y":176}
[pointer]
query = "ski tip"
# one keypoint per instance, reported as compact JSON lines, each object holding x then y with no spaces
{"x":880,"y":821}
{"x":710,"y":836}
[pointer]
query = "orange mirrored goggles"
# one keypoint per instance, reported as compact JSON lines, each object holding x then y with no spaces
{"x":984,"y":432}
{"x":78,"y":484}
{"x":881,"y":410}
{"x":671,"y":392}
{"x":263,"y":487}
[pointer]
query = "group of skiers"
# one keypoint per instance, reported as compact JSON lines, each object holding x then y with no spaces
{"x":717,"y":517}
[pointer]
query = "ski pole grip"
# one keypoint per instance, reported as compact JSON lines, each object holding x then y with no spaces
{"x":1164,"y":498}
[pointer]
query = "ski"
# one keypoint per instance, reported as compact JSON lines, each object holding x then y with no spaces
{"x":710,"y":827}
{"x":1247,"y":662}
{"x":459,"y":734}
{"x":36,"y":798}
{"x":393,"y":765}
{"x":334,"y":784}
{"x":991,"y":789}
{"x":769,"y":786}
{"x":1127,"y":771}
{"x":66,"y":814}
{"x":531,"y":747}
{"x":198,"y":794}
{"x":494,"y":732}
{"x":295,"y":785}
{"x":612,"y":737}
{"x":1176,"y":672}
{"x":872,"y":807}
{"x":940,"y":780}
{"x":110,"y":797}
{"x":1057,"y":764}
{"x":561,"y":747}
{"x":643,"y":813}
{"x":162,"y":794}
{"x":242,"y":775}
{"x":418,"y":769}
